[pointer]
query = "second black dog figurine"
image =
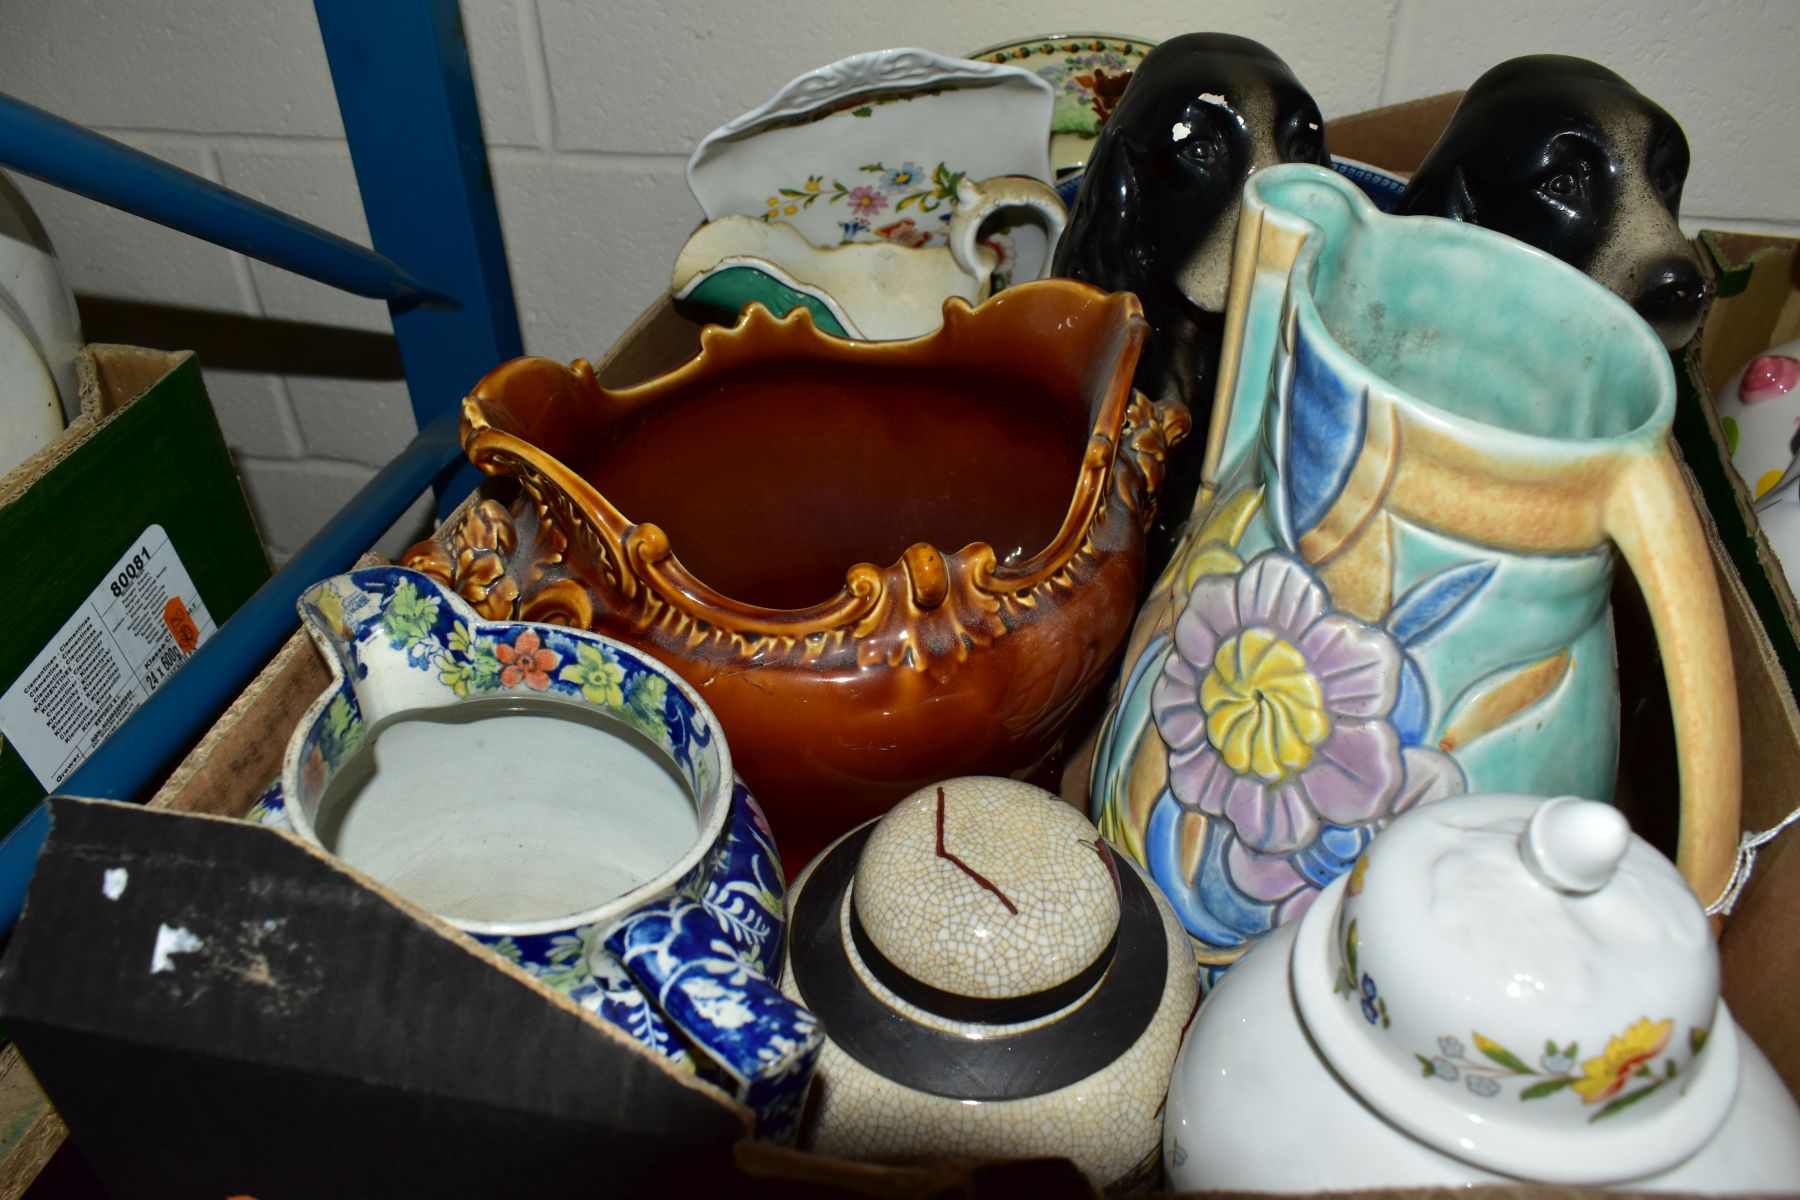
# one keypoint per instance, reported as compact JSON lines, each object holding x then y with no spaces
{"x":1564,"y":154}
{"x":1157,"y":214}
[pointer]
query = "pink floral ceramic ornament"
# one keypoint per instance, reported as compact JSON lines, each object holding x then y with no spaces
{"x":1769,"y":376}
{"x":1759,"y":413}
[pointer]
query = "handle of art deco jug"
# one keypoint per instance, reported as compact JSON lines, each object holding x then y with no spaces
{"x":1651,"y":518}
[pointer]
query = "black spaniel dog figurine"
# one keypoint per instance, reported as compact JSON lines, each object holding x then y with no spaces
{"x":1563,"y":154}
{"x":1157,"y":215}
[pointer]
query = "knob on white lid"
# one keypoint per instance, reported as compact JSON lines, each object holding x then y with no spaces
{"x":1574,"y":845}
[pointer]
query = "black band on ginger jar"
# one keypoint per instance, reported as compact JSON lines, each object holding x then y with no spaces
{"x":1123,"y":987}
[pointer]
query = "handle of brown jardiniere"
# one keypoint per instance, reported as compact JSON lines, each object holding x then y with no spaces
{"x":1150,"y":435}
{"x":1651,"y":518}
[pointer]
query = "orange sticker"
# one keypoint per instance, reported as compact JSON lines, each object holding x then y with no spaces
{"x":175,"y":616}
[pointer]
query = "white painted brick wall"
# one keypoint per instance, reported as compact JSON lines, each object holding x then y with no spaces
{"x":314,"y":181}
{"x":590,"y":108}
{"x":108,"y":253}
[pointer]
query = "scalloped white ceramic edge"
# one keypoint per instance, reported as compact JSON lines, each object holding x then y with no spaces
{"x":1592,"y":1156}
{"x":897,"y":67}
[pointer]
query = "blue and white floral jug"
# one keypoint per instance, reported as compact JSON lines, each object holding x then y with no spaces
{"x":667,"y":924}
{"x":1394,"y":586}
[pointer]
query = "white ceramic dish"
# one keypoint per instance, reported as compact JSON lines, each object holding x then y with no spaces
{"x":32,"y":277}
{"x":872,"y":147}
{"x":872,"y":290}
{"x":30,"y":410}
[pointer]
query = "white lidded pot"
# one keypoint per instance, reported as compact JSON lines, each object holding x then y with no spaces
{"x":1504,"y":988}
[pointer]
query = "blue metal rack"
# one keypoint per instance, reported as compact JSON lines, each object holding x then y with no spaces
{"x":401,"y":71}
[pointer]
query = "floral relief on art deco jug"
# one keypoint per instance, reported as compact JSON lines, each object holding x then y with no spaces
{"x":1394,"y":587}
{"x":882,"y":564}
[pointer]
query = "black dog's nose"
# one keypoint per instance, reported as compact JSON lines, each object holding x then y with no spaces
{"x":1673,"y":293}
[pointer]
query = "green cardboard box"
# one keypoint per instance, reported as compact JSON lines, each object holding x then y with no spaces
{"x":129,"y":540}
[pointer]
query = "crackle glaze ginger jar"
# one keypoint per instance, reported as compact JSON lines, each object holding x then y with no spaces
{"x":1394,"y":587}
{"x":993,"y":982}
{"x":1504,"y":988}
{"x":569,"y":804}
{"x":883,"y":564}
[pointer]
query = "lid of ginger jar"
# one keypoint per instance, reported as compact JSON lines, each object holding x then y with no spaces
{"x":1526,"y":985}
{"x":979,"y":942}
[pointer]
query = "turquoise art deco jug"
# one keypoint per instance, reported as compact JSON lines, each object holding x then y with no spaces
{"x":1427,"y":441}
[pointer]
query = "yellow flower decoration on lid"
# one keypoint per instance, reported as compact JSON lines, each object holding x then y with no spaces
{"x":1605,"y":1074}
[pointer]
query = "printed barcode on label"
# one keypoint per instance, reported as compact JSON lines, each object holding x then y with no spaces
{"x":132,"y":632}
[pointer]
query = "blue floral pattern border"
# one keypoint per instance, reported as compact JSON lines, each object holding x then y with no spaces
{"x":689,"y":975}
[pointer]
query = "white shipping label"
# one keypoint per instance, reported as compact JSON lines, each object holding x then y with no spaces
{"x":125,"y":639}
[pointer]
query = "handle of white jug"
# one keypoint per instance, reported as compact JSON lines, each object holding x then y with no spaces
{"x":763,"y":1042}
{"x":1651,"y":518}
{"x":709,"y":966}
{"x":977,"y":202}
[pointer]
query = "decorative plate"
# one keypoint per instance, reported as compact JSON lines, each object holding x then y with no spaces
{"x":1089,"y":72}
{"x":1379,"y":184}
{"x":873,"y":146}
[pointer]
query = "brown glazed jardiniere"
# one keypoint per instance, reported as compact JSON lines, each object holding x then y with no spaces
{"x":883,"y":564}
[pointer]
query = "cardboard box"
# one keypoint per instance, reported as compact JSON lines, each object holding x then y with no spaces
{"x":1757,"y":305}
{"x":145,"y":451}
{"x":329,"y":1039}
{"x":145,"y":454}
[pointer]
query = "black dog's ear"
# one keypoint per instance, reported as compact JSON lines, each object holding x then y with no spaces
{"x":1443,"y":192}
{"x":1459,"y":202}
{"x":1103,"y":243}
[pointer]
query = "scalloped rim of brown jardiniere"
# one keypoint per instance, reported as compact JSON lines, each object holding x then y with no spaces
{"x":517,"y":404}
